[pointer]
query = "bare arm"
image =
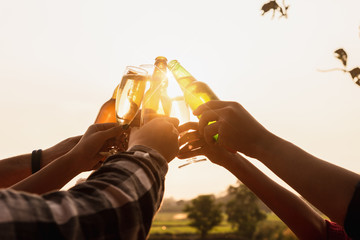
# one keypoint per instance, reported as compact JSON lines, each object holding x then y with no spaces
{"x":291,"y":209}
{"x":52,"y":177}
{"x":304,"y":221}
{"x":15,"y":169}
{"x":56,"y":174}
{"x":328,"y":187}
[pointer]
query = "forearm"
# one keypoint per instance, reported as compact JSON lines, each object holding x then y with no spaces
{"x":118,"y":201}
{"x":14,"y":169}
{"x":290,"y":208}
{"x":326,"y":186}
{"x":52,"y":177}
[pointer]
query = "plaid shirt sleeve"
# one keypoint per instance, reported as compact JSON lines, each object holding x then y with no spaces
{"x":118,"y":201}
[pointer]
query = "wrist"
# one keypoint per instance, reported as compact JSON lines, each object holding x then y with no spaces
{"x":70,"y":160}
{"x":149,"y":146}
{"x":47,"y":157}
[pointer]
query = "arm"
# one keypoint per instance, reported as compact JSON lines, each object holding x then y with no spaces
{"x":291,"y":209}
{"x":328,"y":187}
{"x":118,"y":201}
{"x":15,"y":169}
{"x":56,"y":174}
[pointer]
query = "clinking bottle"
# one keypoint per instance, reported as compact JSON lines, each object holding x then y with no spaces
{"x":195,"y":92}
{"x":107,"y":110}
{"x":155,"y":100}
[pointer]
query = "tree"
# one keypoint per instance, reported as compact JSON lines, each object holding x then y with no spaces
{"x":204,"y":213}
{"x":243,"y":211}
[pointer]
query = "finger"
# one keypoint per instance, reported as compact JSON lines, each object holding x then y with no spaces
{"x":191,"y":146}
{"x":210,"y":131}
{"x":76,"y":138}
{"x":189,"y":154}
{"x":104,"y":126}
{"x":189,"y":137}
{"x":211,"y":105}
{"x":206,"y":117}
{"x":111,"y":132}
{"x":188,"y":126}
{"x":147,"y":117}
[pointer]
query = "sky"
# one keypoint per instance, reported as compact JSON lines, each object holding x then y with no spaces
{"x":61,"y":60}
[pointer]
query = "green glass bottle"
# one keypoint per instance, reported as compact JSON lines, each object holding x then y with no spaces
{"x":195,"y":92}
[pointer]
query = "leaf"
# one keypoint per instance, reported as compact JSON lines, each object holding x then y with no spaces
{"x":268,"y":6}
{"x":355,"y":74}
{"x":341,"y":54}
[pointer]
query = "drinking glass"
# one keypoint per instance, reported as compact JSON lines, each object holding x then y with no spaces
{"x":180,"y":110}
{"x":128,"y":100}
{"x":130,"y":95}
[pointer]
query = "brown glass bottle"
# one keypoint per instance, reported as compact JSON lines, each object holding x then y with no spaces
{"x":107,"y":110}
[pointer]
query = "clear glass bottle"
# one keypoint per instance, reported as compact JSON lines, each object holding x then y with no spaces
{"x":155,"y":100}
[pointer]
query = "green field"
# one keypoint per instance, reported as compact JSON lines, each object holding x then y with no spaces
{"x":169,"y":223}
{"x":175,"y":223}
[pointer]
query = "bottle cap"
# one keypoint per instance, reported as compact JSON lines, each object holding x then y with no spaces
{"x":161,"y":58}
{"x":172,"y":64}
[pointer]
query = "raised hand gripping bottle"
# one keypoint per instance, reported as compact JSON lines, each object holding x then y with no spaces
{"x":155,"y":100}
{"x":195,"y":92}
{"x":107,"y":110}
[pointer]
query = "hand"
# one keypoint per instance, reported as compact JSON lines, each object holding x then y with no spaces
{"x":159,"y":134}
{"x":121,"y":142}
{"x":195,"y":145}
{"x":52,"y":153}
{"x":237,"y":129}
{"x":96,"y":138}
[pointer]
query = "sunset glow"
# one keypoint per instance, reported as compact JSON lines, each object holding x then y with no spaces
{"x":61,"y":60}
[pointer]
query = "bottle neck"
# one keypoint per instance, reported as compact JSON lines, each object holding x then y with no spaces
{"x":160,"y":70}
{"x":183,"y":77}
{"x":115,"y":92}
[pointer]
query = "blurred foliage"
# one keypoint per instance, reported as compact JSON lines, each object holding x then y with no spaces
{"x":275,"y":7}
{"x":204,"y":213}
{"x":273,"y":230}
{"x":243,"y":211}
{"x":343,"y":57}
{"x":172,"y":205}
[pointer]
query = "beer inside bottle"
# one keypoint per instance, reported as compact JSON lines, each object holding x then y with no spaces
{"x":107,"y":110}
{"x":154,"y":102}
{"x":195,"y":92}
